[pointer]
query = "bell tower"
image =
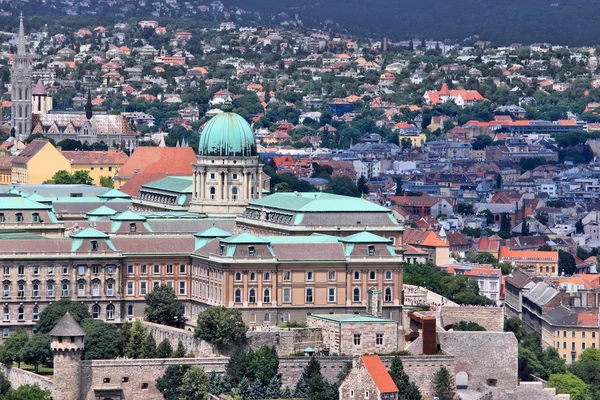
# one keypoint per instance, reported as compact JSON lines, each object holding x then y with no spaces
{"x":20,"y":80}
{"x":67,"y":344}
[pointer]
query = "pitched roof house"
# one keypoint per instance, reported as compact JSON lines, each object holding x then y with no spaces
{"x":368,"y":379}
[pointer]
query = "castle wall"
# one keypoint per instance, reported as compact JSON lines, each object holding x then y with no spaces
{"x":491,"y":318}
{"x":19,"y":377}
{"x":174,"y":335}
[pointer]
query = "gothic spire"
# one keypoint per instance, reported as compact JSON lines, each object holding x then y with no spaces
{"x":21,"y":38}
{"x":88,"y":106}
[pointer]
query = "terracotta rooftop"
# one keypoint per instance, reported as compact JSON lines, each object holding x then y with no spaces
{"x":379,"y":374}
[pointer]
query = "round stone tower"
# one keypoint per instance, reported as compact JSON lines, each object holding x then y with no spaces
{"x":67,"y":345}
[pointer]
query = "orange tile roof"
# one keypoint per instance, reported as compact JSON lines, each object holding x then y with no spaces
{"x":379,"y":374}
{"x":113,"y":157}
{"x":506,"y":253}
{"x":587,"y":319}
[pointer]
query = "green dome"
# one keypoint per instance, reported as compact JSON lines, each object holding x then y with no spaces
{"x":227,"y":134}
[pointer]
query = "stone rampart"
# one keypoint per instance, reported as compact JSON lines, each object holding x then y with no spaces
{"x":286,"y":341}
{"x":19,"y":377}
{"x":174,"y":335}
{"x":491,"y":318}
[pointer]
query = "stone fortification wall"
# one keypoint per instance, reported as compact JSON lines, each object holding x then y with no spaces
{"x":286,"y":341}
{"x":19,"y":377}
{"x":491,"y":318}
{"x":174,"y":335}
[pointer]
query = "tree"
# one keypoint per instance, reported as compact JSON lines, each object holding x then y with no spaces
{"x":505,"y":225}
{"x":50,"y":315}
{"x":566,"y":263}
{"x":28,"y":392}
{"x":102,"y":340}
{"x":149,"y":347}
{"x":316,"y":386}
{"x":4,"y":385}
{"x":257,"y":390}
{"x":14,"y":346}
{"x":407,"y":390}
{"x":344,"y":186}
{"x":170,"y":383}
{"x":363,"y":185}
{"x":464,"y":208}
{"x":179,"y":351}
{"x":238,"y":366}
{"x":107,"y":182}
{"x":399,"y":191}
{"x":443,"y":385}
{"x":516,"y":326}
{"x":194,"y":384}
{"x":137,"y":338}
{"x":37,"y":350}
{"x":221,"y":326}
{"x":485,"y":258}
{"x":524,"y":228}
{"x":570,"y":384}
{"x":273,"y":389}
{"x":164,"y":350}
{"x":163,"y":307}
{"x":579,"y":227}
{"x":63,"y":177}
{"x":467,"y":326}
{"x":264,"y":364}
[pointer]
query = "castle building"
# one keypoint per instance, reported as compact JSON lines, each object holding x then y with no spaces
{"x":21,"y":88}
{"x":228,"y":173}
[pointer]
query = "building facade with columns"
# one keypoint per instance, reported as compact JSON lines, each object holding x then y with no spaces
{"x":228,"y":173}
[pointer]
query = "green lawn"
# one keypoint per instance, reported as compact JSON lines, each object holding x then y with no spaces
{"x":42,"y":369}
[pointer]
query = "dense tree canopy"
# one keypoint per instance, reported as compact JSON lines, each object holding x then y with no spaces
{"x":221,"y":326}
{"x":163,"y":307}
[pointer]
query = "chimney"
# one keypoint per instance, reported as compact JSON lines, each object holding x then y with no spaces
{"x":374,"y":302}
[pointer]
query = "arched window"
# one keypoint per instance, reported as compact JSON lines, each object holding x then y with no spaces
{"x":20,"y":111}
{"x":5,"y":314}
{"x":356,"y":275}
{"x":35,"y":313}
{"x":21,"y":313}
{"x":81,"y":288}
{"x":95,"y":311}
{"x":356,"y":294}
{"x":212,"y":192}
{"x":130,"y":310}
{"x":234,"y":193}
{"x":110,"y":311}
{"x":252,"y":276}
{"x":388,"y":275}
{"x":35,"y":290}
{"x":21,"y":290}
{"x":6,"y":290}
{"x":267,"y":296}
{"x":96,"y":289}
{"x":252,"y":296}
{"x":238,"y":296}
{"x":20,"y":95}
{"x":388,"y":295}
{"x":65,"y":289}
{"x":110,"y":289}
{"x":372,"y":275}
{"x":238,"y":276}
{"x":267,"y":276}
{"x":50,"y":289}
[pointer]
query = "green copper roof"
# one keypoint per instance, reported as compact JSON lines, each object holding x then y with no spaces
{"x":101,"y":211}
{"x":244,"y":238}
{"x":227,"y":134}
{"x":351,"y":318}
{"x":38,"y":198}
{"x":213,"y":232}
{"x":364,"y":237}
{"x":317,"y":202}
{"x":21,"y":235}
{"x":21,"y":203}
{"x":114,"y":194}
{"x":301,"y":239}
{"x":177,"y":184}
{"x":89,"y":233}
{"x":128,"y":216}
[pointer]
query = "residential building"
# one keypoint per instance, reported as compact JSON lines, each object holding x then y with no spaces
{"x":37,"y":163}
{"x":97,"y":163}
{"x":542,"y":262}
{"x":368,"y":379}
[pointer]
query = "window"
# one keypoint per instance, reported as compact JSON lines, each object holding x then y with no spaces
{"x":182,"y":268}
{"x":387,"y":297}
{"x":212,"y":191}
{"x":309,"y":295}
{"x":252,"y":296}
{"x":379,"y":338}
{"x":65,"y":270}
{"x":65,"y":290}
{"x":267,"y":276}
{"x":35,"y":217}
{"x":143,"y":288}
{"x":371,"y":251}
{"x":593,"y":335}
{"x":356,"y":294}
{"x":234,"y":177}
{"x":81,"y":270}
{"x":267,"y":317}
{"x":130,"y":310}
{"x":372,"y":275}
{"x":583,"y":346}
{"x":94,"y":245}
{"x":6,"y":270}
{"x":156,"y":269}
{"x":130,"y":269}
{"x":212,"y":176}
{"x":143,"y":269}
{"x":573,"y":334}
{"x":287,"y":275}
{"x":287,"y":295}
{"x":5,"y":333}
{"x":106,"y":380}
{"x":388,"y":275}
{"x":2,"y":218}
{"x":237,"y":298}
{"x":238,"y":276}
{"x":286,"y":316}
{"x":182,"y":288}
{"x":125,"y":379}
{"x":110,"y":311}
{"x":81,"y":288}
{"x":95,"y":311}
{"x":351,"y":393}
{"x":356,"y":275}
{"x":132,"y":227}
{"x":5,"y":314}
{"x":266,"y":296}
{"x":583,"y":335}
{"x":169,"y":268}
{"x":366,"y":394}
{"x":6,"y":290}
{"x":110,"y":289}
{"x":331,"y":275}
{"x":35,"y":270}
{"x":19,"y":217}
{"x":35,"y":290}
{"x":253,"y":276}
{"x":21,"y":290}
{"x":331,"y":295}
{"x":155,"y":284}
{"x":234,"y":193}
{"x":21,"y":270}
{"x":251,"y":251}
{"x":129,"y":288}
{"x":95,"y":269}
{"x":50,"y":289}
{"x":110,"y":269}
{"x":20,"y":313}
{"x":357,"y":339}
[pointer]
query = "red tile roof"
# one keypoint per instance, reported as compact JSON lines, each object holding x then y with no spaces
{"x":114,"y":157}
{"x":380,"y":375}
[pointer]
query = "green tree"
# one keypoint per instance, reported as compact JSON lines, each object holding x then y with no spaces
{"x":316,"y":386}
{"x":443,"y":385}
{"x":257,"y":390}
{"x":50,"y":315}
{"x":264,"y":364}
{"x":14,"y":346}
{"x":485,"y":258}
{"x":570,"y":384}
{"x":587,"y":367}
{"x":399,"y":191}
{"x":149,"y":347}
{"x":170,"y":383}
{"x":137,"y":337}
{"x":505,"y":225}
{"x":107,"y":182}
{"x":4,"y":385}
{"x":524,"y":228}
{"x":344,"y":186}
{"x":464,"y":208}
{"x":273,"y":389}
{"x":516,"y":326}
{"x":467,"y":326}
{"x":163,"y":307}
{"x":179,"y":351}
{"x":579,"y":227}
{"x":566,"y":263}
{"x":407,"y":390}
{"x":221,"y":326}
{"x":194,"y":384}
{"x":363,"y":185}
{"x":28,"y":392}
{"x":102,"y":340}
{"x":238,"y":366}
{"x":37,"y":350}
{"x":164,"y":350}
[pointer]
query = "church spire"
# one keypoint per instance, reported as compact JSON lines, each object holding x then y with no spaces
{"x":21,"y":38}
{"x":88,"y":105}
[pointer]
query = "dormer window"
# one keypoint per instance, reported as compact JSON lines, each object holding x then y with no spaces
{"x":371,"y":251}
{"x":94,"y":245}
{"x":2,"y":218}
{"x":35,"y":217}
{"x":221,"y":250}
{"x":132,"y":227}
{"x":19,"y":217}
{"x":251,"y":251}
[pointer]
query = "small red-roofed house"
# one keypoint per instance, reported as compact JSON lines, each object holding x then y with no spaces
{"x":368,"y":379}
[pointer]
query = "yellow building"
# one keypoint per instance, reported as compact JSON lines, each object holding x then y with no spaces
{"x":37,"y":163}
{"x":542,"y":262}
{"x":5,"y":170}
{"x":97,"y":163}
{"x":570,"y":331}
{"x":416,"y":140}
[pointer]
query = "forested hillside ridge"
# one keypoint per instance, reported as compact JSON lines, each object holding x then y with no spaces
{"x":560,"y":22}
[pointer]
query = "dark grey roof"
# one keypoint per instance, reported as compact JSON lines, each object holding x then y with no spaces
{"x":541,"y":294}
{"x":67,"y":326}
